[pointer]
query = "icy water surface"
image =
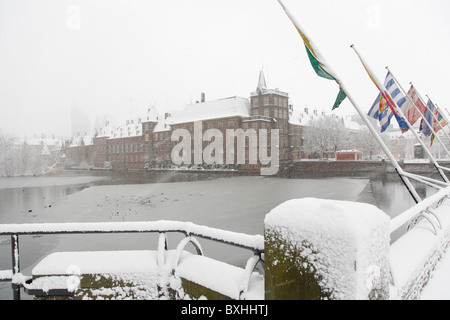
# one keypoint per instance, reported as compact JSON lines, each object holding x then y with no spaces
{"x":234,"y":203}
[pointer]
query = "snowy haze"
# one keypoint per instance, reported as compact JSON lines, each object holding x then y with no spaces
{"x":120,"y":56}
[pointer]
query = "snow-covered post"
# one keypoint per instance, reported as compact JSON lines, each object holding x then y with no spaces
{"x":325,"y":249}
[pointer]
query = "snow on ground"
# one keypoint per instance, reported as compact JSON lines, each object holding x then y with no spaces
{"x":438,"y":287}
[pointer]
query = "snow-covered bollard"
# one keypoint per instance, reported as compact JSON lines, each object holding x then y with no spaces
{"x":326,"y":249}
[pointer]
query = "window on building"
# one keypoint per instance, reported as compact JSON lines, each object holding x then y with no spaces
{"x":266,"y":112}
{"x":231,"y":124}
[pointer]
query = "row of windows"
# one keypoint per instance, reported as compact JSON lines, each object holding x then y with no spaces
{"x":126,"y":148}
{"x":277,"y":113}
{"x":161,"y":136}
{"x":256,"y":125}
{"x":271,"y":101}
{"x":127,"y":158}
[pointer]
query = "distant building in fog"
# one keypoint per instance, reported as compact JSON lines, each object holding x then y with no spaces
{"x":80,"y":122}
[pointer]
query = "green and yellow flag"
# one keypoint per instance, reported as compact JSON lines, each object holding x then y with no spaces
{"x":317,"y":62}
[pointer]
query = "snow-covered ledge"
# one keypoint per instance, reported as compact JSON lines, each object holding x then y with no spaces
{"x":324,"y":249}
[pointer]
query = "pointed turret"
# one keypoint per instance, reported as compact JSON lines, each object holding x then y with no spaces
{"x":261,"y":81}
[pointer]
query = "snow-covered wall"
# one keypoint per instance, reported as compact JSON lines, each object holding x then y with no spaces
{"x":324,"y":249}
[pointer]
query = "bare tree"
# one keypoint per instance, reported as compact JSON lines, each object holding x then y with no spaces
{"x":7,"y":154}
{"x":326,"y":134}
{"x":366,"y":141}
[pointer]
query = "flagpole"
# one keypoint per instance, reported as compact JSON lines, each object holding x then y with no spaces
{"x":447,"y":111}
{"x":417,"y":109}
{"x":383,"y":90}
{"x":375,"y":134}
{"x":383,"y":146}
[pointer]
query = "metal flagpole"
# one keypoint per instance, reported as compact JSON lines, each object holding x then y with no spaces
{"x":447,"y":111}
{"x":418,"y":110}
{"x":400,"y":112}
{"x":363,"y":116}
{"x":383,"y":146}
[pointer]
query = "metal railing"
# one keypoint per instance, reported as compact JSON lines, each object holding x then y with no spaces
{"x":255,"y":243}
{"x":422,"y":209}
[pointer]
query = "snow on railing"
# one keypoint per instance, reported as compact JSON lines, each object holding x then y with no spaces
{"x":254,"y":243}
{"x":420,"y":209}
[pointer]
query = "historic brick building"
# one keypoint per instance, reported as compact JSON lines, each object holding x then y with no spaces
{"x":146,"y":142}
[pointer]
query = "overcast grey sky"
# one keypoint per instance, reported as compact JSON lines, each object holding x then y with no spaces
{"x":113,"y":56}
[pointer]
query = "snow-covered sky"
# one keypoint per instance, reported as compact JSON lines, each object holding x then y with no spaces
{"x":120,"y":56}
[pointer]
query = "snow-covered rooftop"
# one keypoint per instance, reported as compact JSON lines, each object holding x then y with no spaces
{"x":152,"y":115}
{"x":164,"y":124}
{"x":106,"y":131}
{"x":132,"y":128}
{"x":85,"y":140}
{"x":44,"y":140}
{"x":227,"y":107}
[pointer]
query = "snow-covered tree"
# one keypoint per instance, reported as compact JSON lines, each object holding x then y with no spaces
{"x":326,"y":134}
{"x":7,"y":163}
{"x":366,"y":142}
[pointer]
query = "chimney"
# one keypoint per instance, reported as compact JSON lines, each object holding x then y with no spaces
{"x":203,"y":97}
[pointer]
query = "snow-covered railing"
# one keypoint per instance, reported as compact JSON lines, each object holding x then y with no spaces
{"x":255,"y":243}
{"x":422,"y":209}
{"x":414,"y":255}
{"x":252,"y":242}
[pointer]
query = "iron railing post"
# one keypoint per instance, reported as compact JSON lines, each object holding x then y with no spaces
{"x":15,"y":264}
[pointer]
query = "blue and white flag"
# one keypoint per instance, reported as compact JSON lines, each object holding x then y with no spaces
{"x":381,"y":110}
{"x":424,"y":127}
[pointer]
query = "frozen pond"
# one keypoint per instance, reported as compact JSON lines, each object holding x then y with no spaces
{"x":237,"y":203}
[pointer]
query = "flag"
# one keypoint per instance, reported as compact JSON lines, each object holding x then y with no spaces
{"x":384,"y":105}
{"x":390,"y":93}
{"x":412,"y":113}
{"x":317,"y":62}
{"x":428,"y":115}
{"x":381,"y":112}
{"x":438,"y":121}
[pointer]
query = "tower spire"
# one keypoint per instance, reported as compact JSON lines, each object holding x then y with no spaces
{"x":261,"y":81}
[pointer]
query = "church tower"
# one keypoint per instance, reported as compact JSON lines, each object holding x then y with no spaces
{"x":272,"y":104}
